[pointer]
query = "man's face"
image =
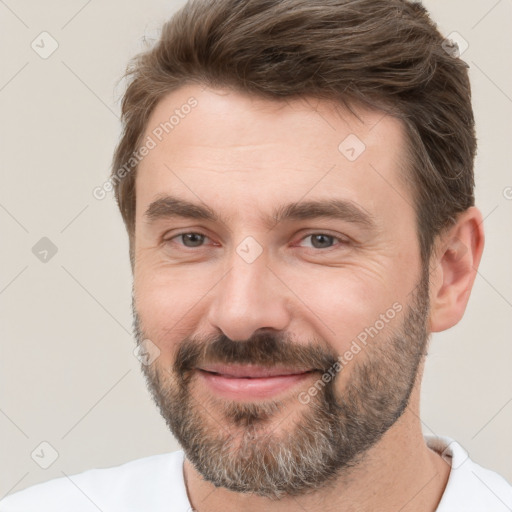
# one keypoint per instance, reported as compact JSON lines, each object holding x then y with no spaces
{"x":308,"y":256}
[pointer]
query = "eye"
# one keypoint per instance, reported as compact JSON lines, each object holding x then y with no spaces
{"x":189,"y":239}
{"x":321,"y":240}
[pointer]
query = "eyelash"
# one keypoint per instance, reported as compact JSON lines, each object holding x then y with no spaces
{"x":340,"y":240}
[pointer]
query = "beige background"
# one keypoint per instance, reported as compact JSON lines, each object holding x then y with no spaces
{"x":68,"y":373}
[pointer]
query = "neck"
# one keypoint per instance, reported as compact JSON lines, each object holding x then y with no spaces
{"x":399,"y":473}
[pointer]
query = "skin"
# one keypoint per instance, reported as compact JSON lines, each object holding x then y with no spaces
{"x":243,"y":156}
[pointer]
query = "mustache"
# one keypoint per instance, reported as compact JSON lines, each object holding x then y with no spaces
{"x":264,"y":348}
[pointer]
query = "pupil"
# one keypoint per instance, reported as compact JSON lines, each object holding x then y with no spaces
{"x":192,"y":239}
{"x":321,"y":241}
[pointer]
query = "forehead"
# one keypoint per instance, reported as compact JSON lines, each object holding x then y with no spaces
{"x":220,"y":143}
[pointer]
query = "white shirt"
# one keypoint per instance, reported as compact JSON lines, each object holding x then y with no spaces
{"x":156,"y":484}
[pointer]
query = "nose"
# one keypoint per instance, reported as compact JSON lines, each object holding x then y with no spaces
{"x":248,"y":298}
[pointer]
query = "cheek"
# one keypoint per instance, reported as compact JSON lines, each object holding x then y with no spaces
{"x":337,"y":305}
{"x":170,"y":302}
{"x":343,"y":305}
{"x":354,"y":317}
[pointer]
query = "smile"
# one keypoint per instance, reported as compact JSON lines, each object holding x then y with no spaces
{"x":241,"y":382}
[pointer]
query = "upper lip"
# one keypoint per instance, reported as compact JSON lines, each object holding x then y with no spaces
{"x":252,"y":371}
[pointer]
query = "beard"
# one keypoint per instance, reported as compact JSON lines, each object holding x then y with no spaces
{"x":238,"y":445}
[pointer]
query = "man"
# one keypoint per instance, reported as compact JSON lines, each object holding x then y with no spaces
{"x":296,"y":178}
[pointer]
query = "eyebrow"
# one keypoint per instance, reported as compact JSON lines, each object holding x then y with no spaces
{"x":348,"y":211}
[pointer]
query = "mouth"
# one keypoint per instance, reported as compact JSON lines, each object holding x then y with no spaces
{"x":241,"y":382}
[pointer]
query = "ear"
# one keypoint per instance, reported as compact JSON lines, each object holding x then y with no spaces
{"x":454,"y":267}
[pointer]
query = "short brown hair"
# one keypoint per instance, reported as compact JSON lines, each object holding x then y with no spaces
{"x":385,"y":54}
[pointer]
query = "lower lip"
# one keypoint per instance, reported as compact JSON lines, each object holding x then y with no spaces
{"x":253,"y":388}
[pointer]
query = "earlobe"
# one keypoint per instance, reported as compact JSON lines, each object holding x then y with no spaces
{"x":454,"y":269}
